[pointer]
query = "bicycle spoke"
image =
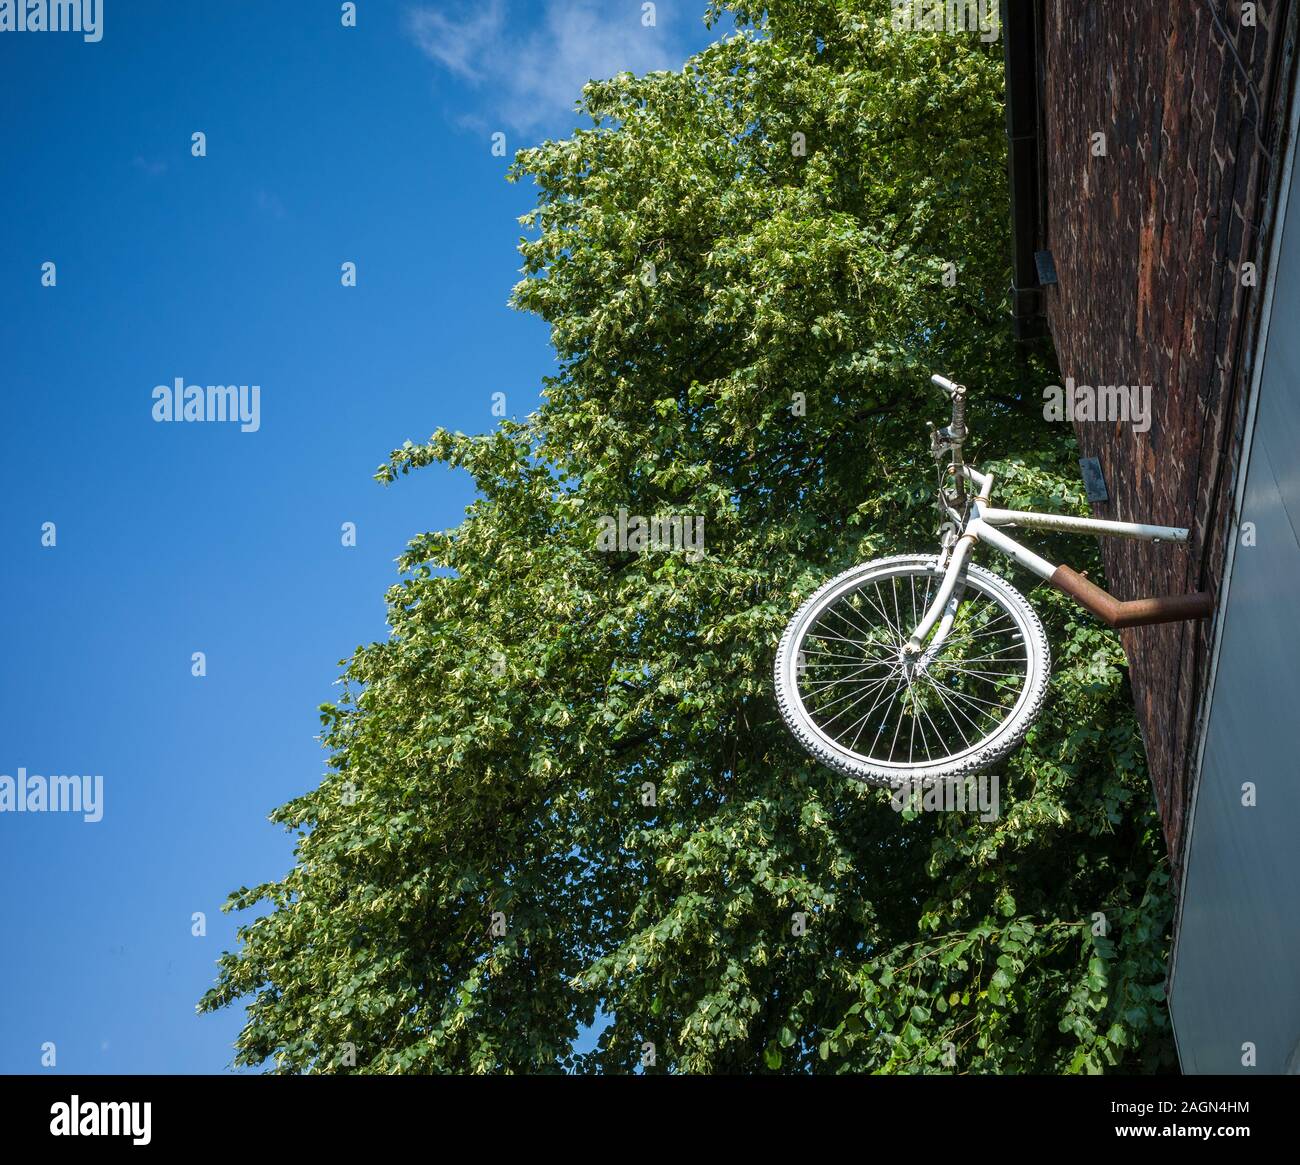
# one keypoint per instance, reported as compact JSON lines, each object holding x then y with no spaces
{"x":846,"y":696}
{"x":948,"y":707}
{"x":883,"y":722}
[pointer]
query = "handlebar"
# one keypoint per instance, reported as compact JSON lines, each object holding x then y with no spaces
{"x":944,"y":383}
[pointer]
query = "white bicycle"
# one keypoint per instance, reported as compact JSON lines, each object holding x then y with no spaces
{"x":918,"y":667}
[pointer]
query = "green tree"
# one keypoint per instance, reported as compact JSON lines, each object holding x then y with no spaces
{"x":560,"y":789}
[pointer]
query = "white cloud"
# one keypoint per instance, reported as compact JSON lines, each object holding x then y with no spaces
{"x":530,"y":72}
{"x":458,"y":44}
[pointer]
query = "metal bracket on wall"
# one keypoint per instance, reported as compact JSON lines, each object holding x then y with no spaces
{"x":1046,"y":267}
{"x":1094,"y":482}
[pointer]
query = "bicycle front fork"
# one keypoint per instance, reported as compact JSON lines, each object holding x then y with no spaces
{"x":944,"y":608}
{"x":943,"y":611}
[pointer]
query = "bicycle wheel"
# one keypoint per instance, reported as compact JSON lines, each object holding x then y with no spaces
{"x":858,"y":704}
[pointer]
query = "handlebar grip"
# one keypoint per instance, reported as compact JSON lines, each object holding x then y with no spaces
{"x":944,"y":383}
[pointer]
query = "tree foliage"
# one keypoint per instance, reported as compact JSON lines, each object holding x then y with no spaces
{"x":582,"y":748}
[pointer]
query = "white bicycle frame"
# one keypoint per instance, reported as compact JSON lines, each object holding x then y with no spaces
{"x":983,"y":522}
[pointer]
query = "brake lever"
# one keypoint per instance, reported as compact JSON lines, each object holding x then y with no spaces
{"x":941,"y":440}
{"x":938,"y":441}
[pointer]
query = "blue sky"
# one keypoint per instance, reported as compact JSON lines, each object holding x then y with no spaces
{"x":325,"y":145}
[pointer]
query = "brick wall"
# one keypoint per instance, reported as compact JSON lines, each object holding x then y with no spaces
{"x":1149,"y":242}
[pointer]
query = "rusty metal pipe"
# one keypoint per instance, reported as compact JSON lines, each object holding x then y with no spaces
{"x":1135,"y":612}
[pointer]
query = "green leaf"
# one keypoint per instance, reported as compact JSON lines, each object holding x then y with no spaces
{"x":623,"y":797}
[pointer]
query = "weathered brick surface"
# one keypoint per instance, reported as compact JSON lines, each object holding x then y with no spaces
{"x":1149,"y":242}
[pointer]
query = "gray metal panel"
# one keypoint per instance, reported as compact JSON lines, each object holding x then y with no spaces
{"x":1238,"y":966}
{"x":1237,"y":969}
